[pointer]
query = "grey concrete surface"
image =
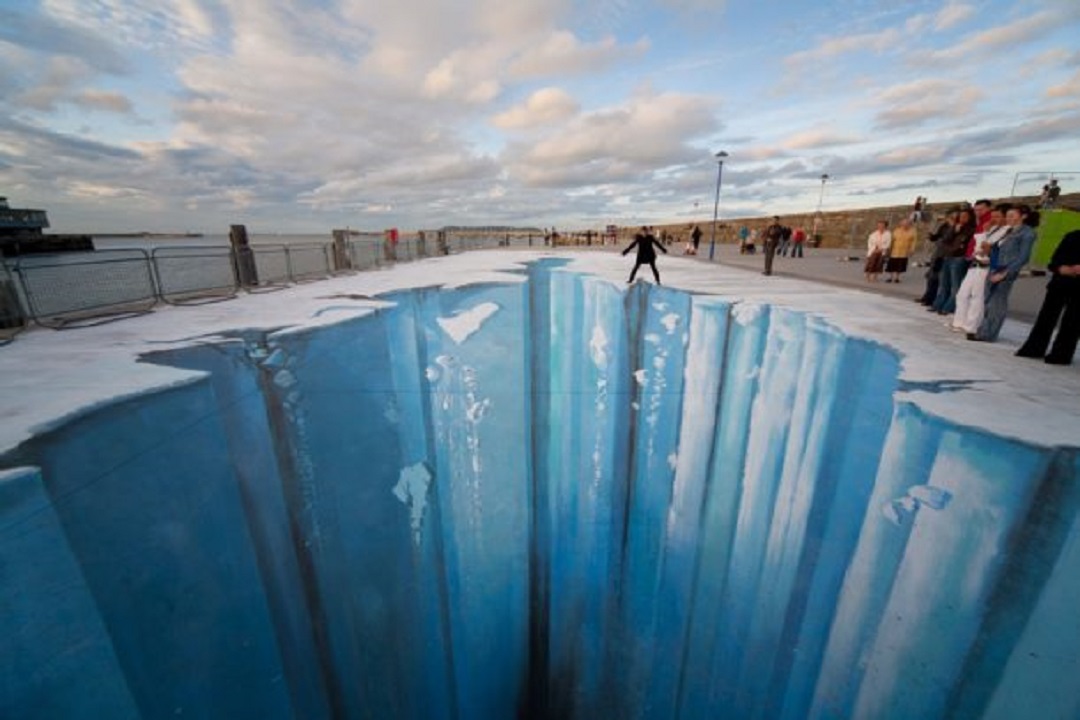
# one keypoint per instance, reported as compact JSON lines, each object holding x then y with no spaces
{"x":833,"y":267}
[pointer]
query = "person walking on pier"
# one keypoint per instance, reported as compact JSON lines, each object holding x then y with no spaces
{"x":695,"y":241}
{"x":646,"y":255}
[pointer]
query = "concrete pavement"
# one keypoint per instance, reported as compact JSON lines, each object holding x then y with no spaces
{"x":831,"y":266}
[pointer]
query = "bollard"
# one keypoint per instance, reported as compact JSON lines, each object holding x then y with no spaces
{"x":247,"y":274}
{"x":342,"y":261}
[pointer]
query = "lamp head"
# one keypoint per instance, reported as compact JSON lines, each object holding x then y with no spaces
{"x":721,"y":155}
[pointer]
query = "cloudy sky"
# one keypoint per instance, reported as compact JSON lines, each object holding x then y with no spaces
{"x":122,"y":115}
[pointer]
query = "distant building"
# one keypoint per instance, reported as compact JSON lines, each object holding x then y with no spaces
{"x":21,"y":233}
{"x":20,"y":222}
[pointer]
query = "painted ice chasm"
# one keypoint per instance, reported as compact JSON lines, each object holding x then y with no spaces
{"x":549,"y":499}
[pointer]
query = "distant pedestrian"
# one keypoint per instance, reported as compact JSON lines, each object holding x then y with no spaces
{"x":903,"y":243}
{"x":773,"y":234}
{"x":1050,"y":194}
{"x":785,"y":239}
{"x":750,"y":245}
{"x":798,"y":239}
{"x":646,"y":255}
{"x":695,"y":240}
{"x":918,"y":209}
{"x":877,"y":245}
{"x":1062,"y":301}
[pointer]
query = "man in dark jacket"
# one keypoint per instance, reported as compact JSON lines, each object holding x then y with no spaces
{"x":940,"y":239}
{"x":773,"y":233}
{"x":646,"y":255}
{"x":1062,"y":300}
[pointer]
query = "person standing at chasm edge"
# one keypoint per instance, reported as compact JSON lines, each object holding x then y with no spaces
{"x":1062,"y":301}
{"x":646,"y":255}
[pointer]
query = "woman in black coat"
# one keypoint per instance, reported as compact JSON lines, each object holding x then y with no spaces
{"x":1062,"y":300}
{"x":644,"y":242}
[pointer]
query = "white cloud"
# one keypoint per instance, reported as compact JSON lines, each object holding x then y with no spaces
{"x":54,"y":83}
{"x":103,"y":100}
{"x":414,"y":112}
{"x":916,"y":102}
{"x":465,"y":75}
{"x":877,"y":42}
{"x":649,"y":132}
{"x":562,"y":53}
{"x":912,"y":155}
{"x":150,"y":24}
{"x":713,"y":6}
{"x":952,"y":14}
{"x":762,"y":152}
{"x":1003,"y":36}
{"x":543,"y":107}
{"x":99,"y":191}
{"x":193,"y":17}
{"x":817,"y":138}
{"x":1068,"y":89}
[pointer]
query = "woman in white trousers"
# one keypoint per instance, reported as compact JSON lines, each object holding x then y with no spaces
{"x":971,"y":297}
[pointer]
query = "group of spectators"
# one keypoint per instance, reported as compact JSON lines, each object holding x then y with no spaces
{"x":778,"y":238}
{"x":978,"y":253}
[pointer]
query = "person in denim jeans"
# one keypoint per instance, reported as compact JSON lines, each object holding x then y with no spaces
{"x":940,"y":239}
{"x":1006,"y":260}
{"x":955,"y":263}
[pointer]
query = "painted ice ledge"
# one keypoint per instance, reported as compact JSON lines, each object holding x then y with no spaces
{"x":535,"y":492}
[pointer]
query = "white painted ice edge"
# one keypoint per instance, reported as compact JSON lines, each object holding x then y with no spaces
{"x":574,"y":554}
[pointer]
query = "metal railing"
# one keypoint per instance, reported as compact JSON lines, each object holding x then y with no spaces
{"x":271,"y":266}
{"x":364,"y":255}
{"x":74,"y":289}
{"x":62,"y":290}
{"x":308,"y":262}
{"x":12,"y":317}
{"x":194,"y":275}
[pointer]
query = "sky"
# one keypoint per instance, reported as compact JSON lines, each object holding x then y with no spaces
{"x":191,"y":115}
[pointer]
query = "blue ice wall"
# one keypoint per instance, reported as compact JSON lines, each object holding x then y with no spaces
{"x":146,"y":494}
{"x":557,"y":498}
{"x":56,"y":658}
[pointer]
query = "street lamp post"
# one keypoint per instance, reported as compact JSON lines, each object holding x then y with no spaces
{"x":716,"y":205}
{"x":817,"y":215}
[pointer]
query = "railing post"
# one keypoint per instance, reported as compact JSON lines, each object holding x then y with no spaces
{"x":243,"y":258}
{"x":342,"y":260}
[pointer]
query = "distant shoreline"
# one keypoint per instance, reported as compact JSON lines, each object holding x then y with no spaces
{"x":157,"y":235}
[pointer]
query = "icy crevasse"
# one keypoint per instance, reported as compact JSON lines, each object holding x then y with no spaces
{"x":547,"y":499}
